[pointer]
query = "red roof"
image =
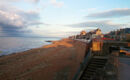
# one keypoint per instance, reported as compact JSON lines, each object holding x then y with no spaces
{"x":107,"y":38}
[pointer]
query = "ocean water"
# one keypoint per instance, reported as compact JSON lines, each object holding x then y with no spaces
{"x":9,"y":45}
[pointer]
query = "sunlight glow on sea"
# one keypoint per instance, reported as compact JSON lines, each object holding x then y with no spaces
{"x":10,"y":45}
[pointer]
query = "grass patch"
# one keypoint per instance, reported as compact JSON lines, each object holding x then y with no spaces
{"x":0,"y":51}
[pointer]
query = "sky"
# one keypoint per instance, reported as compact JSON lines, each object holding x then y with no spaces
{"x":61,"y":18}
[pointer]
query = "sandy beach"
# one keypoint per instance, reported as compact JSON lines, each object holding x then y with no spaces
{"x":57,"y":61}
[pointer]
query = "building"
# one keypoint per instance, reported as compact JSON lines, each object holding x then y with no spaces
{"x":97,"y":33}
{"x":92,"y":34}
{"x":83,"y":33}
{"x":89,"y":35}
{"x":120,"y":35}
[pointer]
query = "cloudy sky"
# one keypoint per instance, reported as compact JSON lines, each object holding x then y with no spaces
{"x":61,"y":18}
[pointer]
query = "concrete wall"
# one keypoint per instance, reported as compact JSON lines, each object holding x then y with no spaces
{"x":106,"y":45}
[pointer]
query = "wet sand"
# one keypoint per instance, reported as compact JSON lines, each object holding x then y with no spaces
{"x":57,"y":61}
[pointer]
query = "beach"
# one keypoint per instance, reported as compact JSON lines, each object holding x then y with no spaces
{"x":57,"y":61}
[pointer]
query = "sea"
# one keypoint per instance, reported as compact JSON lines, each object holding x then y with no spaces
{"x":10,"y":45}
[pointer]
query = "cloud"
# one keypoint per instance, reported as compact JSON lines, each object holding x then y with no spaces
{"x":118,"y":12}
{"x":56,"y":30}
{"x":105,"y":25}
{"x":89,"y":10}
{"x":14,"y":21}
{"x":31,"y":1}
{"x":57,"y":4}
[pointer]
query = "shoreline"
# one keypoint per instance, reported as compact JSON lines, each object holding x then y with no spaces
{"x":8,"y":54}
{"x":49,"y":62}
